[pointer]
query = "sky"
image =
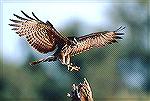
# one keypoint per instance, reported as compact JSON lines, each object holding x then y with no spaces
{"x":58,"y":13}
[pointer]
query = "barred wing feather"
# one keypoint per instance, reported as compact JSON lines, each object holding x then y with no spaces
{"x":41,"y":36}
{"x":97,"y":39}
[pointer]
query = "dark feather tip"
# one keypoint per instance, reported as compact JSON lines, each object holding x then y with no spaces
{"x":120,"y":29}
{"x":15,"y":25}
{"x":27,"y":15}
{"x":14,"y":29}
{"x":16,"y":21}
{"x":15,"y":15}
{"x":11,"y":24}
{"x":114,"y":41}
{"x":18,"y":33}
{"x":119,"y":33}
{"x":10,"y":19}
{"x":118,"y":37}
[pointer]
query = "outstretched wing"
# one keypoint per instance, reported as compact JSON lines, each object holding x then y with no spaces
{"x":41,"y":36}
{"x":97,"y":39}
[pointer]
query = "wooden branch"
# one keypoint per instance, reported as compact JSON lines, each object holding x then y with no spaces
{"x":81,"y":92}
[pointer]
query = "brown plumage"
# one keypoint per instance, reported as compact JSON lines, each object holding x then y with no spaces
{"x":45,"y":38}
{"x":41,"y":36}
{"x":81,"y":92}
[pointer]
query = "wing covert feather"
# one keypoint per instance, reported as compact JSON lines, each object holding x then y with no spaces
{"x":41,"y":36}
{"x":97,"y":39}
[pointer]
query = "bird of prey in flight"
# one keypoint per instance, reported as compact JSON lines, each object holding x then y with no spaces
{"x":43,"y":37}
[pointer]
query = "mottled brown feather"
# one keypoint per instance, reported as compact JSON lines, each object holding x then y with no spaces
{"x":98,"y":39}
{"x":41,"y":36}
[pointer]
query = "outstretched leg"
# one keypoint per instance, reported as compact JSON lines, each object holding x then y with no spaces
{"x":65,"y":60}
{"x":47,"y":59}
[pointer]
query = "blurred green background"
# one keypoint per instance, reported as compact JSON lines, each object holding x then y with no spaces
{"x":119,"y":72}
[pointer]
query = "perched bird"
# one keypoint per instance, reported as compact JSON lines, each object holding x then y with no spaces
{"x":45,"y":38}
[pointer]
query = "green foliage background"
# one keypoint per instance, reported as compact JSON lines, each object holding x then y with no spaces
{"x":109,"y":70}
